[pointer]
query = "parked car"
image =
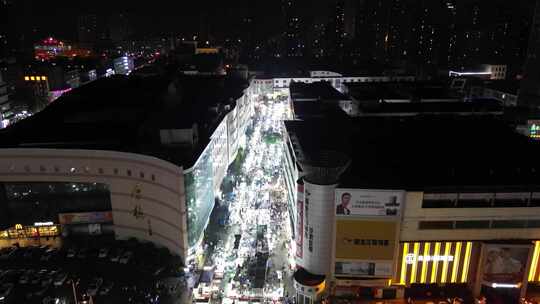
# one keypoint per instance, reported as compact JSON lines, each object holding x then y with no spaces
{"x":35,"y":279}
{"x":7,"y":253}
{"x":50,"y":300}
{"x":60,"y":279}
{"x":28,"y":252}
{"x":94,"y":286}
{"x":49,"y":254}
{"x":116,"y":256}
{"x":72,"y":252}
{"x":126,"y":257}
{"x":103,"y":252}
{"x":26,"y":277}
{"x":40,"y":292}
{"x":5,"y":291}
{"x":46,"y":281}
{"x":82,"y":253}
{"x":106,"y":288}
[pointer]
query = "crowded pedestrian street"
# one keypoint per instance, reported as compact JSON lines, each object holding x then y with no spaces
{"x":247,"y":242}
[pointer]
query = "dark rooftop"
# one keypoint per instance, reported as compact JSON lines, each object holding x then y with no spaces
{"x":414,"y":91}
{"x":477,"y":106}
{"x":424,"y":151}
{"x":506,"y":86}
{"x":126,"y":113}
{"x":320,"y":90}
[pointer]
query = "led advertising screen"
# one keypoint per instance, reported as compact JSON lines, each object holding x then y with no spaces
{"x":359,"y":202}
{"x":504,"y":264}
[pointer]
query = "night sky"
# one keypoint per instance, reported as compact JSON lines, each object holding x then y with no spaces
{"x":149,"y":17}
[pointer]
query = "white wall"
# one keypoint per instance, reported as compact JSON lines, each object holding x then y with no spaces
{"x":162,"y":187}
{"x":319,"y":217}
{"x":414,"y":213}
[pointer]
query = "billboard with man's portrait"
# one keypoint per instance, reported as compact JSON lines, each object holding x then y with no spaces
{"x":364,"y":202}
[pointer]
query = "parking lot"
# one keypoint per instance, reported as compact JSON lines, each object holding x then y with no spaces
{"x":110,"y":271}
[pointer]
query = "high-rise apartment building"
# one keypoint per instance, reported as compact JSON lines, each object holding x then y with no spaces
{"x":87,"y":28}
{"x":530,"y":85}
{"x":294,"y":44}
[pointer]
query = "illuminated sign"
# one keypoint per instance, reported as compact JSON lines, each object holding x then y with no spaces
{"x":534,"y":128}
{"x":85,"y":217}
{"x":434,"y":262}
{"x":35,"y":78}
{"x":18,"y":226}
{"x":39,"y":224}
{"x":365,"y":240}
{"x":454,"y":73}
{"x":411,"y":258}
{"x":502,"y":285}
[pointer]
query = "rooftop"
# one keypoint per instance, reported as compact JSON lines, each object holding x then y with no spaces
{"x":126,"y":113}
{"x":320,"y":90}
{"x":423,"y":151}
{"x":413,"y":91}
{"x":477,"y":106}
{"x":506,"y":86}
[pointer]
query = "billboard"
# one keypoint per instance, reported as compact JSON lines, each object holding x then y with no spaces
{"x":364,"y":269}
{"x":361,"y":202}
{"x":365,"y":240}
{"x":504,"y":264}
{"x":533,"y":127}
{"x":365,"y":247}
{"x":85,"y":217}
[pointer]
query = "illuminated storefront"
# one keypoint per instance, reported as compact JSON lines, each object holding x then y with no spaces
{"x":42,"y":209}
{"x":309,"y":287}
{"x":436,"y":262}
{"x":534,"y":270}
{"x":40,"y":229}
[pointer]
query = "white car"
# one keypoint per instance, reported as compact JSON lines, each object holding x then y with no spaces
{"x":5,"y":290}
{"x":126,"y":257}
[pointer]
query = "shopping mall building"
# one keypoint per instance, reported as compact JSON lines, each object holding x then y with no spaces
{"x":412,"y":205}
{"x":139,"y":157}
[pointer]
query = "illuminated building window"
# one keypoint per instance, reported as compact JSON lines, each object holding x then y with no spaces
{"x":26,"y":78}
{"x":32,"y":78}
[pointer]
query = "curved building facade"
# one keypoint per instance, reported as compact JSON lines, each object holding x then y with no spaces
{"x":318,"y":232}
{"x":147,"y":197}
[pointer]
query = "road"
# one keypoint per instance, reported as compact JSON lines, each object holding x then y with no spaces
{"x":248,"y":238}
